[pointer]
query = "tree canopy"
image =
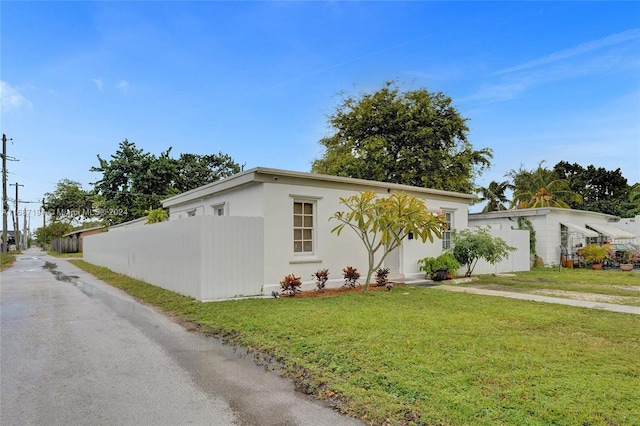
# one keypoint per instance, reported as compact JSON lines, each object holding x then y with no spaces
{"x":604,"y":191}
{"x":414,"y":138}
{"x":133,"y":181}
{"x":68,"y":202}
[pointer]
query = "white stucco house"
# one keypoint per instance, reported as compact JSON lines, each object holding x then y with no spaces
{"x":559,"y":233}
{"x":241,"y":235}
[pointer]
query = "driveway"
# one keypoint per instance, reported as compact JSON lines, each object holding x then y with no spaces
{"x":81,"y":352}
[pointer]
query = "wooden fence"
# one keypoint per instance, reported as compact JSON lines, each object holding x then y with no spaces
{"x":66,"y":245}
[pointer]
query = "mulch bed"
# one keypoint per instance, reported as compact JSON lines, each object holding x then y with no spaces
{"x":339,"y":290}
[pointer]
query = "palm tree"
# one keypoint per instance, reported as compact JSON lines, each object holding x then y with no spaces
{"x":495,"y":196}
{"x":634,"y":194}
{"x":540,"y":188}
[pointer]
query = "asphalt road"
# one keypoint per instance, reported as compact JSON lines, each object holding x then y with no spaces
{"x":81,"y":352}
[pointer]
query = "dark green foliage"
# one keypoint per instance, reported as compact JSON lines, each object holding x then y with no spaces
{"x":68,"y":202}
{"x":414,"y":138}
{"x":133,"y":181}
{"x":445,"y":262}
{"x":604,"y":191}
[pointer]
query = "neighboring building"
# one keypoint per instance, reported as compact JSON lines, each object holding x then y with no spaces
{"x":559,"y":233}
{"x":77,"y":238}
{"x":241,"y":235}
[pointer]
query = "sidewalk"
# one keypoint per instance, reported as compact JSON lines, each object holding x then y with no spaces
{"x":545,"y":299}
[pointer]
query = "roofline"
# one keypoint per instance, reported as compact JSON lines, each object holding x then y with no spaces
{"x":258,"y":174}
{"x":539,"y":211}
{"x":79,"y":231}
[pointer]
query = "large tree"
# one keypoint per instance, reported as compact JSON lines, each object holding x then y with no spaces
{"x":134,"y":182}
{"x":604,"y":191}
{"x":68,"y":203}
{"x":414,"y":138}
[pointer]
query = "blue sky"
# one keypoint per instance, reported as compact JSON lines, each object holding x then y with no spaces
{"x":538,"y":81}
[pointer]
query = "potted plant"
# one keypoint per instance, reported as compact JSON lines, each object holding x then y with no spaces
{"x":625,"y":261}
{"x":321,"y":276}
{"x":351,"y":276}
{"x":594,"y":254}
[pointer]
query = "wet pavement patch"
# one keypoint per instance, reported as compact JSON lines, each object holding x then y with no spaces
{"x":52,"y":267}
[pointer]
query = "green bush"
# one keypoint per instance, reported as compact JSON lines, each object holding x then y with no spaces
{"x":444,"y":262}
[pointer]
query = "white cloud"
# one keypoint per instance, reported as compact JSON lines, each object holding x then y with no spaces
{"x":98,"y":82}
{"x":576,"y":51}
{"x":11,"y":98}
{"x":612,"y":53}
{"x":123,"y":85}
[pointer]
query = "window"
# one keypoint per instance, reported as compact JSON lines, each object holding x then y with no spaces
{"x":219,"y":209}
{"x":303,"y":226}
{"x":446,"y":235}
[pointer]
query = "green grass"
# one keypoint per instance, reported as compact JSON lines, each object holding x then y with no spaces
{"x":426,"y":356}
{"x":7,"y":259}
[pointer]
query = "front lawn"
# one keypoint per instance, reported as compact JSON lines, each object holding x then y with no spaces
{"x":425,"y":356}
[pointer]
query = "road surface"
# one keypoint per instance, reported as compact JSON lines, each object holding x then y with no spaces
{"x":81,"y":352}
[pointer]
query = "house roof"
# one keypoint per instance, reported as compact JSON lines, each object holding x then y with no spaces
{"x":262,"y":174}
{"x":541,"y":211}
{"x":81,"y":231}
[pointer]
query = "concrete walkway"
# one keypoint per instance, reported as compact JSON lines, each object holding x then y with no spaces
{"x":546,"y":299}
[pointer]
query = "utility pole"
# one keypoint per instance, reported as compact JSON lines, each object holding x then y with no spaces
{"x":16,"y":227}
{"x":5,"y":205}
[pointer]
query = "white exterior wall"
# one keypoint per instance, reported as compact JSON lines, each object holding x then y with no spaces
{"x":247,"y":202}
{"x":206,"y":257}
{"x":331,"y":251}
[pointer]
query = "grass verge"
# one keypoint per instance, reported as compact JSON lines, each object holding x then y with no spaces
{"x":64,"y":255}
{"x":426,"y":356}
{"x":7,"y":259}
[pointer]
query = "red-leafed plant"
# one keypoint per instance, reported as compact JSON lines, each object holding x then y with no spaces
{"x":351,"y":276}
{"x":290,"y":285}
{"x":321,"y":276}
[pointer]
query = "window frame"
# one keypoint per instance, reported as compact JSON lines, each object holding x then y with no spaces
{"x":447,"y":240}
{"x":304,"y":226}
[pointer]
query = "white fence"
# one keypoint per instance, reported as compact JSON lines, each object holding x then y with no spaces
{"x":519,"y":260}
{"x":206,"y":257}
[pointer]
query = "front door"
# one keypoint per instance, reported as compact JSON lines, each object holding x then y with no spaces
{"x":392,"y":261}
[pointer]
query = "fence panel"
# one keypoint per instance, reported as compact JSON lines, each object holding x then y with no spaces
{"x":66,"y":245}
{"x":206,"y":257}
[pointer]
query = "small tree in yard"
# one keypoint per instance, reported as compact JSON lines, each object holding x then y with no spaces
{"x":382,"y":223}
{"x":469,"y":246}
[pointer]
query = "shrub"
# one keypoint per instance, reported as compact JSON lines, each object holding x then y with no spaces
{"x":381,"y":276}
{"x":445,"y":262}
{"x":351,"y":276}
{"x":290,"y":285}
{"x":321,"y":276}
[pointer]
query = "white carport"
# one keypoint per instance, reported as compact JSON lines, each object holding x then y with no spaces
{"x":572,"y":227}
